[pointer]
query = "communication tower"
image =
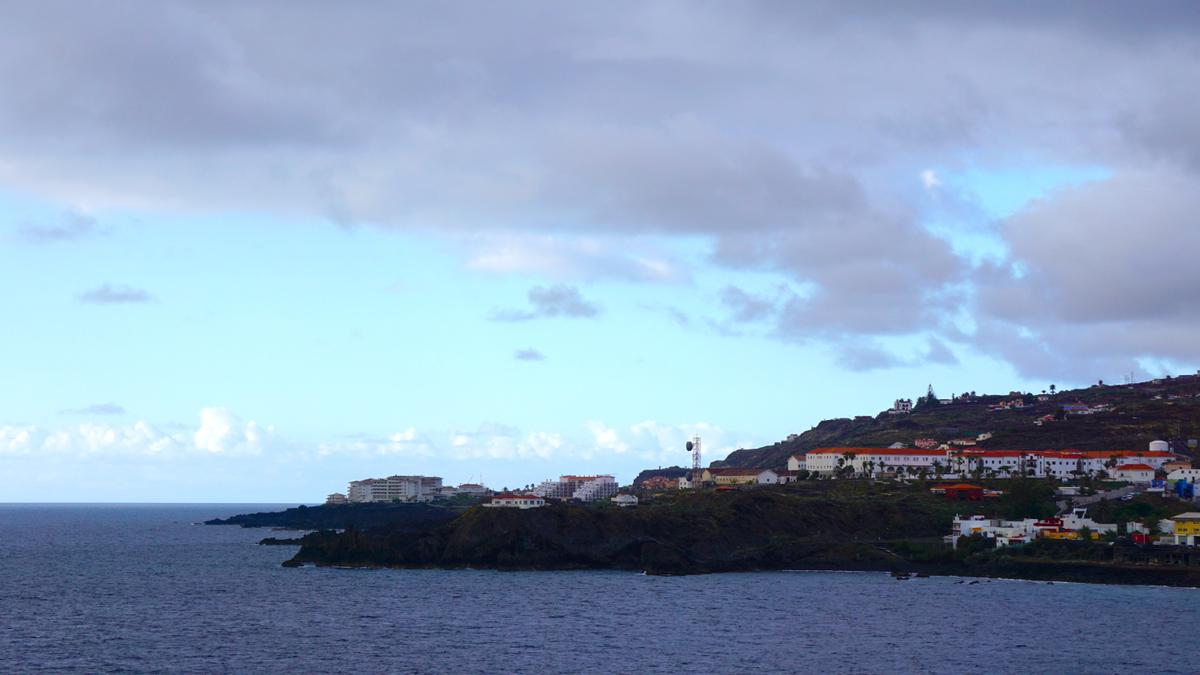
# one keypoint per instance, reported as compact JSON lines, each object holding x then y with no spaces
{"x":693,"y":447}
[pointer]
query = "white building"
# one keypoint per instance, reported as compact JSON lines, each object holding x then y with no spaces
{"x":741,"y":476}
{"x":624,"y":500}
{"x":1134,"y":473}
{"x":902,"y":406}
{"x":796,"y":463}
{"x":473,"y":489}
{"x":583,"y":488}
{"x":1189,"y":475}
{"x":336,"y":498}
{"x":1062,"y":464}
{"x":874,"y":461}
{"x":395,"y":489}
{"x":507,"y":500}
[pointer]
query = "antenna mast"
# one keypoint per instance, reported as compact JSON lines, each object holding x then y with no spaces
{"x":697,"y":474}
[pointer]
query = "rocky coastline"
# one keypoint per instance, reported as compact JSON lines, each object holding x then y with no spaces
{"x":711,"y":532}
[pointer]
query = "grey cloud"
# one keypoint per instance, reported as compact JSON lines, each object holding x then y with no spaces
{"x":548,"y":302}
{"x":96,"y":409}
{"x":779,"y":134}
{"x":109,"y":294}
{"x":530,"y":354}
{"x":746,"y":307}
{"x":72,"y":226}
{"x":1103,"y":277}
{"x":939,"y":352}
{"x":864,"y":356}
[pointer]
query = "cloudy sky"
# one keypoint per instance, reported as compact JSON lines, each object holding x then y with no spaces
{"x":251,"y":251}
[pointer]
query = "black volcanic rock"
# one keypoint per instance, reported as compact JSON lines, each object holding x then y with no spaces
{"x":411,"y":517}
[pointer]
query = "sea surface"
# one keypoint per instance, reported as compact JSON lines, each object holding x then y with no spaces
{"x":143,"y":588}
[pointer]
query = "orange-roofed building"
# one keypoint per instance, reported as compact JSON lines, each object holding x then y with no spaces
{"x":960,"y":491}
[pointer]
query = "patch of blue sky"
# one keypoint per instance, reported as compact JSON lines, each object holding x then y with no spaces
{"x":964,"y":206}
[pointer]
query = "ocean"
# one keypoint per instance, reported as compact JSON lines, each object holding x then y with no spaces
{"x":143,"y":588}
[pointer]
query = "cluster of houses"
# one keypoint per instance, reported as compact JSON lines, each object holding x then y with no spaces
{"x":404,"y":489}
{"x":430,"y":488}
{"x":1012,"y":532}
{"x":1181,"y":530}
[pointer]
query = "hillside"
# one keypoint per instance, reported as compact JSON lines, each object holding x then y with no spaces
{"x":824,"y":525}
{"x":686,"y":532}
{"x":1135,"y":414}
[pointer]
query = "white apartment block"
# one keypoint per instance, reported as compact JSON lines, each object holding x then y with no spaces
{"x":583,"y":488}
{"x":395,"y":488}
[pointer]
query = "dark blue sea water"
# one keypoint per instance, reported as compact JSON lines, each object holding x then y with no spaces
{"x":101,"y":588}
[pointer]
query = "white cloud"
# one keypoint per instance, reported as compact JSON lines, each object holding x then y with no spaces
{"x":606,"y":438}
{"x":220,"y":432}
{"x":930,"y":180}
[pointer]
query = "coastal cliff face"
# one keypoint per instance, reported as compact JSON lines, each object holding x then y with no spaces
{"x":689,"y":533}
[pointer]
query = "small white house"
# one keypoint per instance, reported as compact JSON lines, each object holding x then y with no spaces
{"x":797,"y":463}
{"x":510,"y":501}
{"x":624,"y":500}
{"x":1135,"y":473}
{"x":767,"y":477}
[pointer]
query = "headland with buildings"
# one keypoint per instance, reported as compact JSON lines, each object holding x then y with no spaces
{"x":957,"y":504}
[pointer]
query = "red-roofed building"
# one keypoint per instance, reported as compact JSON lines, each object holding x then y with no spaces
{"x":1134,"y":473}
{"x":960,"y":492}
{"x":860,"y":461}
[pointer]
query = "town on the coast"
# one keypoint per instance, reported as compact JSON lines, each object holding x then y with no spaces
{"x":1141,"y":495}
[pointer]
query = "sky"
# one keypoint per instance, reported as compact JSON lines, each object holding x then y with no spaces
{"x":252,"y":251}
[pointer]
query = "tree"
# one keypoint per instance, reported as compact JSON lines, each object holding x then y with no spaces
{"x":1052,"y":389}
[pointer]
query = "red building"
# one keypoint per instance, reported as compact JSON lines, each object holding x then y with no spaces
{"x":960,"y":492}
